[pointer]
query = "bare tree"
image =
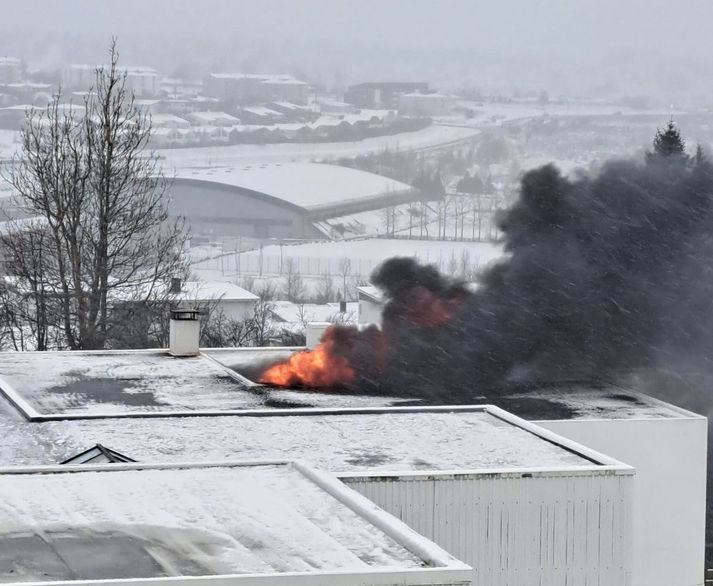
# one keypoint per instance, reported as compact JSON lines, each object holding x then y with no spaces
{"x":100,"y":194}
{"x":294,"y":288}
{"x":345,"y":269}
{"x":326,"y":292}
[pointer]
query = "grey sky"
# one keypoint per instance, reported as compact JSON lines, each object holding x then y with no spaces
{"x":568,"y":46}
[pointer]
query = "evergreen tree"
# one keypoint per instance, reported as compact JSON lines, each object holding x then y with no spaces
{"x":668,"y":143}
{"x":700,"y":156}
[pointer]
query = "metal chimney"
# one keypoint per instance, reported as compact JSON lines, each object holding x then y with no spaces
{"x":184,"y":333}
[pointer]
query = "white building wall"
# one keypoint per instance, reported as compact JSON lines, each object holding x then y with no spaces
{"x":369,"y":311}
{"x":237,"y":309}
{"x":551,"y":529}
{"x":669,"y":505}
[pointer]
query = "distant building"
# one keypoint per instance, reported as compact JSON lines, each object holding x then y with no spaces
{"x":327,"y":106}
{"x":418,"y":104}
{"x":38,"y":94}
{"x":295,"y":316}
{"x":12,"y":117}
{"x":291,"y":112}
{"x":282,"y":200}
{"x":260,"y":115}
{"x":233,"y":301}
{"x":381,"y":94}
{"x":10,"y":70}
{"x":79,"y":76}
{"x":180,"y":87}
{"x":168,"y":121}
{"x":371,"y":304}
{"x":249,"y":88}
{"x":212,"y":119}
{"x":285,"y":88}
{"x":143,"y":81}
{"x":185,"y":104}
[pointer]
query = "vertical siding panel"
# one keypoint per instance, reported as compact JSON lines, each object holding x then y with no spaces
{"x":558,"y":530}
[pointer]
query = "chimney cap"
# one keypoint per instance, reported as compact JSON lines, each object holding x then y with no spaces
{"x":185,"y":314}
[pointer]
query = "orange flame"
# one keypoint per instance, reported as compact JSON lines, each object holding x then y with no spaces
{"x":311,"y":368}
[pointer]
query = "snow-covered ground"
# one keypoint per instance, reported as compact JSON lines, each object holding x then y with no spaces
{"x":328,"y":258}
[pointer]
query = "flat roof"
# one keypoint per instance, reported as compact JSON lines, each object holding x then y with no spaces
{"x":307,"y":185}
{"x":124,"y":521}
{"x":131,"y":383}
{"x":581,"y":401}
{"x":351,"y":441}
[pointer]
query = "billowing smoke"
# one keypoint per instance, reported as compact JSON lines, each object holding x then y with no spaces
{"x":605,"y":276}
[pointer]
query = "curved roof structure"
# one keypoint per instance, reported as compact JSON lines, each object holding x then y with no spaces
{"x":313,"y":187}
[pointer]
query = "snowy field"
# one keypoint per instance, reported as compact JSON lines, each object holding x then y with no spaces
{"x":328,"y":258}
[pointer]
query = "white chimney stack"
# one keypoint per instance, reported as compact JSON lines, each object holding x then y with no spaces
{"x":185,"y":331}
{"x":314,"y":331}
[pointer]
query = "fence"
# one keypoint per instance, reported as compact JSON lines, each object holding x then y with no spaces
{"x":237,"y":264}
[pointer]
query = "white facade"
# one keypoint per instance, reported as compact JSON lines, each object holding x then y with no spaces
{"x":232,"y":301}
{"x":143,"y":81}
{"x":371,"y":304}
{"x":520,"y":527}
{"x":669,"y":505}
{"x":80,"y":77}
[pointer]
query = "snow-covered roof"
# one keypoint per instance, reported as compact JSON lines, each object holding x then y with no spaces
{"x":158,"y":120}
{"x":129,"y":521}
{"x":308,"y":185}
{"x":291,"y":106}
{"x":52,"y":385}
{"x":344,"y":441}
{"x":261,"y":111}
{"x":210,"y":116}
{"x":289,"y":312}
{"x":328,"y":122}
{"x":372,"y":293}
{"x":284,"y":81}
{"x":425,"y":96}
{"x":214,"y":290}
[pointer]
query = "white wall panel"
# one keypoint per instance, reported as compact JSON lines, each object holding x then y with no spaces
{"x":545,"y":530}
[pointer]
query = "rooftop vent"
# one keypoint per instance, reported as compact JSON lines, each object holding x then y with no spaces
{"x":185,"y":330}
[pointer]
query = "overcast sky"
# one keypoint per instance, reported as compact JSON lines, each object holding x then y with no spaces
{"x":568,"y":46}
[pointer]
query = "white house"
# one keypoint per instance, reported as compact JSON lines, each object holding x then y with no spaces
{"x":371,"y":303}
{"x":234,"y":301}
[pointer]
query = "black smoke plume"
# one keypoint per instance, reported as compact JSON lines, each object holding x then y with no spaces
{"x":606,"y":276}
